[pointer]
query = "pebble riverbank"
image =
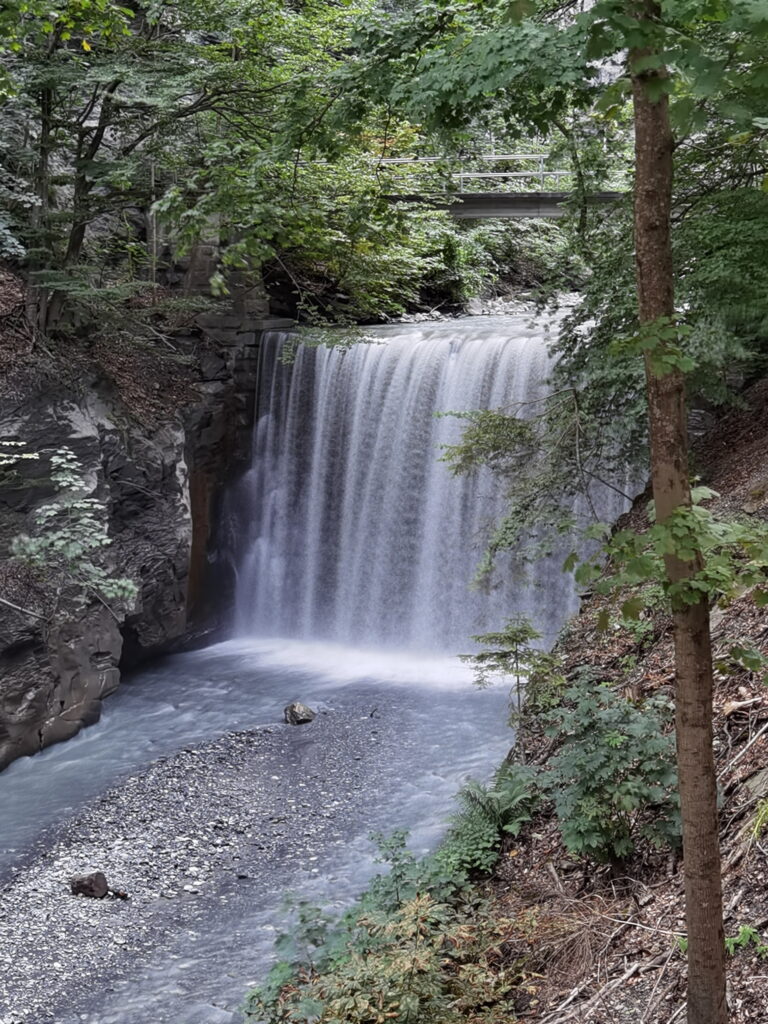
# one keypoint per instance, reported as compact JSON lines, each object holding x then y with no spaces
{"x":208,"y":826}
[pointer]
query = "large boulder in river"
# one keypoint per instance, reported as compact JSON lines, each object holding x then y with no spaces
{"x":299,"y":714}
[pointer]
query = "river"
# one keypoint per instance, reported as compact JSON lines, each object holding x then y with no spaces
{"x":355,"y":550}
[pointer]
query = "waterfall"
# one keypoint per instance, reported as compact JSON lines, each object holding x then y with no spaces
{"x":356,"y":531}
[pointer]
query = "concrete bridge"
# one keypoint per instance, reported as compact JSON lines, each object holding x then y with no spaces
{"x":480,"y":205}
{"x":480,"y":192}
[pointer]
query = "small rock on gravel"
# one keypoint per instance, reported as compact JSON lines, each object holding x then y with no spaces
{"x":93,"y":885}
{"x":299,"y":714}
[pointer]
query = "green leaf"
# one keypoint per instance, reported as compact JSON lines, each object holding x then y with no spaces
{"x":632,"y":608}
{"x":571,"y":562}
{"x":701,"y":493}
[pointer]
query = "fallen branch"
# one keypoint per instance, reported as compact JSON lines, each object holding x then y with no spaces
{"x":743,"y":751}
{"x":737,"y":705}
{"x":583,"y":1010}
{"x":555,"y":877}
{"x":22,"y":611}
{"x":575,"y":993}
{"x":651,"y":999}
{"x":587,"y":1007}
{"x":645,"y":927}
{"x":678,"y":1012}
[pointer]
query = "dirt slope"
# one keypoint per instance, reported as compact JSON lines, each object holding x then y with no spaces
{"x":606,"y":948}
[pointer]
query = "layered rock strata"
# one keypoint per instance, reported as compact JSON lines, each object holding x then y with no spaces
{"x":160,"y":479}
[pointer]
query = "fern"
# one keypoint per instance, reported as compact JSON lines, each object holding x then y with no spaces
{"x":508,"y":803}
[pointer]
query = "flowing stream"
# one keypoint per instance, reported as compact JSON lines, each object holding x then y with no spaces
{"x":353,"y":595}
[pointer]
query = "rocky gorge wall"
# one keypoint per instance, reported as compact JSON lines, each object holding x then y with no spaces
{"x":159,"y":468}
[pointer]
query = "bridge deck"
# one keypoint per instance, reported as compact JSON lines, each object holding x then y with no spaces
{"x":480,"y":205}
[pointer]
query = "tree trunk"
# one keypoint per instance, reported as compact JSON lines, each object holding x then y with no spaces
{"x":671,"y":489}
{"x":81,"y":193}
{"x":38,"y":295}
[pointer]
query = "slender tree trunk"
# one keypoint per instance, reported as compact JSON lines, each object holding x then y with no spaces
{"x":81,"y":194}
{"x":38,"y":295}
{"x":569,"y":134}
{"x":671,"y":489}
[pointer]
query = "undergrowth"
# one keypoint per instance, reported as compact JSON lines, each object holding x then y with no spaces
{"x":423,"y":945}
{"x":613,"y":779}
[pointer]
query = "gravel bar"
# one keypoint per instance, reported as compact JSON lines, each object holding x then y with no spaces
{"x":180,"y":838}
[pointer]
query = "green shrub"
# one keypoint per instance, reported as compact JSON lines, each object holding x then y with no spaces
{"x":409,"y":875}
{"x":471,"y":845}
{"x":418,"y":948}
{"x":544,"y":685}
{"x":529,"y":253}
{"x":746,"y":936}
{"x":487,"y":814}
{"x":613,"y":780}
{"x":425,"y":963}
{"x":67,"y":546}
{"x":537,"y":675}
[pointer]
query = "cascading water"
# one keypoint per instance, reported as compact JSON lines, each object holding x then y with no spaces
{"x":355,"y":534}
{"x":359,"y":533}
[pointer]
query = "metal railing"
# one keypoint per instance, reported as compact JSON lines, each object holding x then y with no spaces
{"x":472,"y":177}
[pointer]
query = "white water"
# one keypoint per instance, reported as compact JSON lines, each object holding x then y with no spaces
{"x":360,"y":548}
{"x":357,"y":531}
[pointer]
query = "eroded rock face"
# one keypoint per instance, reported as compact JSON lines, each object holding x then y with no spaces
{"x":58,"y":666}
{"x":160,"y":485}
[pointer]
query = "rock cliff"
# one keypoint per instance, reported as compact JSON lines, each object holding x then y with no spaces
{"x":157,"y":434}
